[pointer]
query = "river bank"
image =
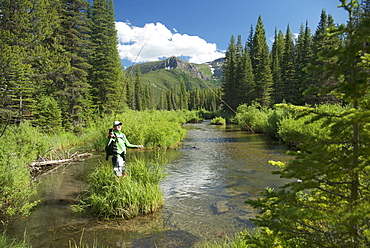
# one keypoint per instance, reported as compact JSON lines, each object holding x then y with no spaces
{"x":208,"y":178}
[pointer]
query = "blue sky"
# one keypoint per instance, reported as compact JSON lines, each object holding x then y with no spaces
{"x":200,"y":30}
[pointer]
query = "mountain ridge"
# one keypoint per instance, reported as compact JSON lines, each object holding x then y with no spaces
{"x":170,"y":72}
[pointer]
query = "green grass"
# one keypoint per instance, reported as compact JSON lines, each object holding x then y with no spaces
{"x":12,"y":243}
{"x":109,"y":196}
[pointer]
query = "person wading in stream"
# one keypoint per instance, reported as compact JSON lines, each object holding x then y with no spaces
{"x":119,"y":156}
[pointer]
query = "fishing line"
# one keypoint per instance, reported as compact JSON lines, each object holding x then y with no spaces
{"x":224,"y":102}
{"x":131,"y":67}
{"x":129,"y":76}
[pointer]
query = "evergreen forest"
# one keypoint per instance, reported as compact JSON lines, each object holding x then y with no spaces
{"x":60,"y":73}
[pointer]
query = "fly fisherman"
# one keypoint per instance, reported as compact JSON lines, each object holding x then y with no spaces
{"x":118,"y":159}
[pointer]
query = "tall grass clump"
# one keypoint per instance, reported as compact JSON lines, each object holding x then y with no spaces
{"x":109,"y":196}
{"x":12,"y":243}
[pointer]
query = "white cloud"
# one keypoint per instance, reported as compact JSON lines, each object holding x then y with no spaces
{"x":155,"y":41}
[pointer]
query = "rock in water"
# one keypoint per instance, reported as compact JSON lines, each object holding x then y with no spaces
{"x":221,"y":207}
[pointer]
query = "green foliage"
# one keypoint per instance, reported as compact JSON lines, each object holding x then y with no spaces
{"x":218,"y":121}
{"x":48,"y":114}
{"x":261,"y":120}
{"x":106,"y":75}
{"x":10,"y":243}
{"x":153,"y":129}
{"x":302,"y":124}
{"x":192,"y":116}
{"x":20,"y":147}
{"x":329,"y":205}
{"x":110,"y":196}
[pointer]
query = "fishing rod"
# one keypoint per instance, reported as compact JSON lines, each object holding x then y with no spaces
{"x":131,"y":67}
{"x":224,"y":102}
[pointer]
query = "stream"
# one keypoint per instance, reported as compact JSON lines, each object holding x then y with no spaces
{"x":208,"y":178}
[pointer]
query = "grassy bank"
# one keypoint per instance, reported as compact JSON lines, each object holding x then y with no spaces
{"x":25,"y":143}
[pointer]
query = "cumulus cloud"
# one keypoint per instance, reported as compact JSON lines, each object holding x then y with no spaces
{"x":155,"y":41}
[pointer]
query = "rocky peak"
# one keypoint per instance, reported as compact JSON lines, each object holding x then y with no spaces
{"x":174,"y":62}
{"x":171,"y":63}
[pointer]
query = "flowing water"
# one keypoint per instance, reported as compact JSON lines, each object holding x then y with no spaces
{"x":208,"y":179}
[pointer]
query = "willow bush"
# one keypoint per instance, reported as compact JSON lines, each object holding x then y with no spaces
{"x":287,"y":122}
{"x":260,"y":119}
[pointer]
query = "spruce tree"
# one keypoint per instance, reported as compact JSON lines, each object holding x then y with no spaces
{"x":261,"y":65}
{"x":184,"y":98}
{"x":74,"y":29}
{"x":229,"y":75}
{"x":246,"y":85}
{"x":32,"y":35}
{"x":304,"y":56}
{"x":106,"y":72}
{"x":290,"y":86}
{"x":139,"y":91}
{"x":277,"y":52}
{"x":321,"y":39}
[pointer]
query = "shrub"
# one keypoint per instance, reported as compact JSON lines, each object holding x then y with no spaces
{"x":260,"y":120}
{"x":218,"y":121}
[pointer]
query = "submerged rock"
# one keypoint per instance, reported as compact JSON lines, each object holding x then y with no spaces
{"x":220,"y":207}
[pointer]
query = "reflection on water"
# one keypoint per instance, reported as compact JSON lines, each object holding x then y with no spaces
{"x":208,"y":179}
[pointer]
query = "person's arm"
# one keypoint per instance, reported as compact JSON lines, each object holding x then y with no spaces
{"x":129,"y":145}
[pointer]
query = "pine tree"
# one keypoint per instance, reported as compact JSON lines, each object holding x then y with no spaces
{"x":246,"y":84}
{"x":184,"y":98}
{"x":276,"y":66}
{"x":139,"y":91}
{"x":15,"y":83}
{"x":106,"y":71}
{"x":261,"y":65}
{"x":32,"y":35}
{"x":290,"y":86}
{"x":76,"y":99}
{"x":304,"y":56}
{"x":240,"y":77}
{"x":229,"y":74}
{"x":321,"y":39}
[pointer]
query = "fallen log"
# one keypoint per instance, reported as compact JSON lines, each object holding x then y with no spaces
{"x":51,"y":162}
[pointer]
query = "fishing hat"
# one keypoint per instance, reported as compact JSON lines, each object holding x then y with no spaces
{"x":116,"y":123}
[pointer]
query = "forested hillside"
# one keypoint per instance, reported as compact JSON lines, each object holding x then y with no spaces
{"x":173,"y":84}
{"x":60,"y":67}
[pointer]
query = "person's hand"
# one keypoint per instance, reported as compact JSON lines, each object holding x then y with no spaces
{"x":140,"y":146}
{"x":111,"y":135}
